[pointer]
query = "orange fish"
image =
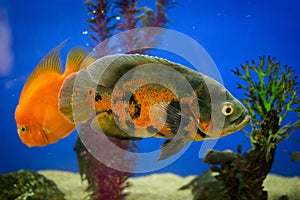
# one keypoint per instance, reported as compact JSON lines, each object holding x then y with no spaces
{"x":38,"y":118}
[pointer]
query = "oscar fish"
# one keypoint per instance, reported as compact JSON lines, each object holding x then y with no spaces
{"x":121,"y":96}
{"x":39,"y":121}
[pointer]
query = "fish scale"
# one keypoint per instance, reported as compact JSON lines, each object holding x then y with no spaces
{"x":137,"y":106}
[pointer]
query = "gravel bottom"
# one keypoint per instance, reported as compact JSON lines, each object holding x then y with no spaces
{"x":165,"y":186}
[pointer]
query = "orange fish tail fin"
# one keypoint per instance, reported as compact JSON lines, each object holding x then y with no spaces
{"x":78,"y":58}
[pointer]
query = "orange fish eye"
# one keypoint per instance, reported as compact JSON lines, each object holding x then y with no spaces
{"x":23,"y":129}
{"x":227,"y":109}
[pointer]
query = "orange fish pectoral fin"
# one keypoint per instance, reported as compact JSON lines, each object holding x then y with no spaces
{"x":78,"y":58}
{"x":50,"y":63}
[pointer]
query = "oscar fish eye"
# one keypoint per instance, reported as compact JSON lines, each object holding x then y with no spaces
{"x":227,"y":109}
{"x":23,"y":129}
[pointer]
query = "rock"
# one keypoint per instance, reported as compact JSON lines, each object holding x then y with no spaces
{"x":28,"y":185}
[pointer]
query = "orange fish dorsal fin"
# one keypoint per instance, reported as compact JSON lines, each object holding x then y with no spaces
{"x":50,"y":63}
{"x":78,"y":58}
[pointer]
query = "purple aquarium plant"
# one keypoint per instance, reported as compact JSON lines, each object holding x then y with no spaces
{"x":103,"y":182}
{"x":106,"y":19}
{"x":112,"y":17}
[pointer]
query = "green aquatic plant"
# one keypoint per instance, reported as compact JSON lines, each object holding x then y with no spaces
{"x":276,"y":88}
{"x":28,"y":185}
{"x":271,"y":93}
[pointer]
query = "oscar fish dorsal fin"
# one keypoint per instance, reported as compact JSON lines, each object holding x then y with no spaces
{"x":78,"y":58}
{"x":109,"y":69}
{"x":50,"y":63}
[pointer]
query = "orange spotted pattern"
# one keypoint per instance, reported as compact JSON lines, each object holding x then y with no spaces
{"x":144,"y":98}
{"x":147,"y":97}
{"x":204,"y":125}
{"x":104,"y":104}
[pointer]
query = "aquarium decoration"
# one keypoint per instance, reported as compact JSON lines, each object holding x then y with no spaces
{"x":271,"y":92}
{"x":106,"y":19}
{"x":28,"y":185}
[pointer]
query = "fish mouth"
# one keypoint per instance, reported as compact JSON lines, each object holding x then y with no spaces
{"x":246,"y":120}
{"x":244,"y":117}
{"x":239,"y":123}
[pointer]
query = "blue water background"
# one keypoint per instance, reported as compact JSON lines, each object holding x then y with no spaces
{"x":231,"y":32}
